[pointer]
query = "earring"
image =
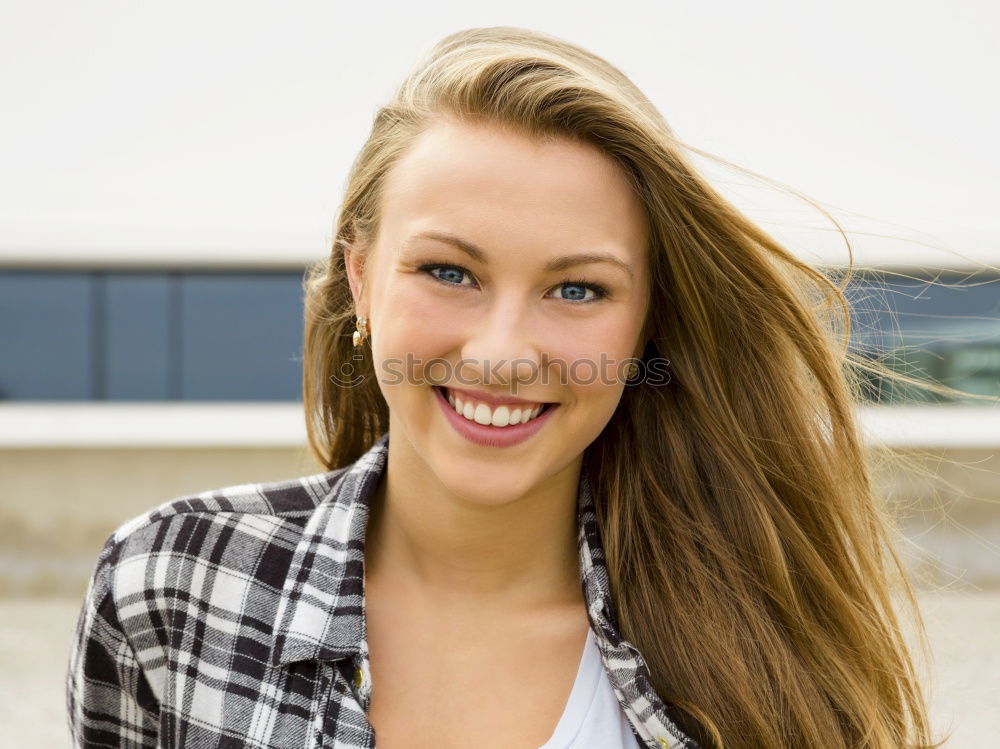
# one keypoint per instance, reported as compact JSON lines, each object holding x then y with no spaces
{"x":633,"y":371}
{"x":362,"y":330}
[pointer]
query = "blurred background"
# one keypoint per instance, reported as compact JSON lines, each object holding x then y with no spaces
{"x":169,"y":170}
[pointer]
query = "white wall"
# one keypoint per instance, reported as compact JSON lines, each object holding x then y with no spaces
{"x":197,"y":131}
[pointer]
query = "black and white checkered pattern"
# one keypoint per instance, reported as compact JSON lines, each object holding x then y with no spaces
{"x":235,"y":618}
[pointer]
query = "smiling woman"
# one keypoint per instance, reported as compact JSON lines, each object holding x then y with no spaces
{"x":528,"y":540}
{"x":519,"y":209}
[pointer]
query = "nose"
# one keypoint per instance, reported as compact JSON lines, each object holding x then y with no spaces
{"x":500,"y":351}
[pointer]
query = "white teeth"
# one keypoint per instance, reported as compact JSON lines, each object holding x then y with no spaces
{"x":501,"y":416}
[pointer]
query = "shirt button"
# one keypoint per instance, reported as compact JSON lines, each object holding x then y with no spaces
{"x":359,"y":676}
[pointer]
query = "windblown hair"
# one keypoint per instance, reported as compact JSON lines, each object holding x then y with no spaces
{"x":750,"y":556}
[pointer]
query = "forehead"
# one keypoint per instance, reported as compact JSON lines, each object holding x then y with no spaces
{"x":512,"y":190}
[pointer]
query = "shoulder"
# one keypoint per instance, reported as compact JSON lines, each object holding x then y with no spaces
{"x":288,"y":500}
{"x":203,"y":525}
{"x":216,"y":552}
{"x":198,"y":568}
{"x":184,"y":524}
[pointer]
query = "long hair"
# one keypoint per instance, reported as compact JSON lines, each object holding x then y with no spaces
{"x":751,"y":559}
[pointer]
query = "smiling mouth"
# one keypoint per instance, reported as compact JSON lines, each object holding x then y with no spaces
{"x":485,"y":414}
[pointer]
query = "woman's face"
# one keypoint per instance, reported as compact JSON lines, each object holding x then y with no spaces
{"x":518,"y":314}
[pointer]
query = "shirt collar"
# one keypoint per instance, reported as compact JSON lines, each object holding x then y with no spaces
{"x":319,"y":613}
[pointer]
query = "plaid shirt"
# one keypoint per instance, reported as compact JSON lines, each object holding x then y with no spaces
{"x":235,"y":618}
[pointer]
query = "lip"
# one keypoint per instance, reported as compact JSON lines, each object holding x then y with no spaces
{"x":491,"y":436}
{"x":494,"y":400}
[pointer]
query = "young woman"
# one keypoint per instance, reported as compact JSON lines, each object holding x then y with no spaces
{"x":594,"y":479}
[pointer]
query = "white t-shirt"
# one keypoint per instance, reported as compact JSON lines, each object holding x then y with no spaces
{"x":593,"y":719}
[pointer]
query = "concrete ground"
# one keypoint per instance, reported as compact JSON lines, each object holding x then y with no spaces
{"x":963,"y":627}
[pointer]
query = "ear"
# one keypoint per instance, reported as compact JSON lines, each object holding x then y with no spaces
{"x":354,"y":263}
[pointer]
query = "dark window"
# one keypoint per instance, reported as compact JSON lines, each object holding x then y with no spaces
{"x":137,"y":336}
{"x":154,"y":335}
{"x":240,"y":337}
{"x":943,"y":327}
{"x":46,"y":336}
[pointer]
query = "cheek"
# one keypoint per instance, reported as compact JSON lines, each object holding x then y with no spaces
{"x":414,"y":322}
{"x":416,"y":329}
{"x":594,"y":352}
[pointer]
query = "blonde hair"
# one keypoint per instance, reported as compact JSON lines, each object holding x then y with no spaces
{"x":736,"y":501}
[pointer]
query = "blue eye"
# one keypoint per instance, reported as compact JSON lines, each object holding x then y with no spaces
{"x":580,"y":289}
{"x":452,"y":275}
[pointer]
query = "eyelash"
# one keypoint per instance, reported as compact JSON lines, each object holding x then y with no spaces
{"x":600,"y":290}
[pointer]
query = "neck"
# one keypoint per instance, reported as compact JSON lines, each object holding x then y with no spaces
{"x":443,"y":549}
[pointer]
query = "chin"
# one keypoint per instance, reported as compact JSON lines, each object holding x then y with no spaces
{"x":489,"y":485}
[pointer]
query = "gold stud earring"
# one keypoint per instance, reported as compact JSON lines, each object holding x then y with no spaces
{"x":362,"y":330}
{"x":633,"y":371}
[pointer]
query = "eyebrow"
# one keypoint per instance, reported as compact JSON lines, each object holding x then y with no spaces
{"x":556,"y":264}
